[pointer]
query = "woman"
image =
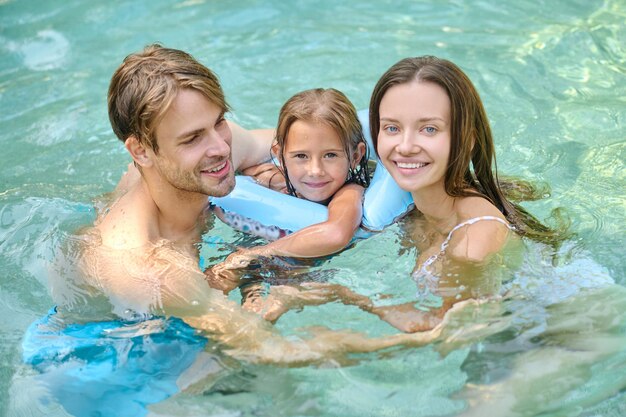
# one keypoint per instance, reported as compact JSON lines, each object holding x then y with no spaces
{"x":431,"y":132}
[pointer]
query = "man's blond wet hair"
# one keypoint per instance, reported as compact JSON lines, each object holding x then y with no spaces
{"x":145,"y":85}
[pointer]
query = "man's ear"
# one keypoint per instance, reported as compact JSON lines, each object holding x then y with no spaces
{"x":138,"y":151}
{"x":358,"y":154}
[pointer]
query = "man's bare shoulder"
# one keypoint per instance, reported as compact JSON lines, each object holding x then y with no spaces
{"x":129,"y":221}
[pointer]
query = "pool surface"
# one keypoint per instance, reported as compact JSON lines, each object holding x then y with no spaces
{"x":552,"y":76}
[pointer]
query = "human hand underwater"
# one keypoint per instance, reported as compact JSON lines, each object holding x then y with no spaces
{"x":227,"y":275}
{"x":282,"y":298}
{"x":241,"y":259}
{"x":223,"y":278}
{"x":225,"y":281}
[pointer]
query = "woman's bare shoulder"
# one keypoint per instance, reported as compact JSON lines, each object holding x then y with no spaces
{"x":482,"y":230}
{"x":471,"y":207}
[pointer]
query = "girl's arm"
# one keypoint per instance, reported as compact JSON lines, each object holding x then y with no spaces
{"x":321,"y":239}
{"x":344,"y":217}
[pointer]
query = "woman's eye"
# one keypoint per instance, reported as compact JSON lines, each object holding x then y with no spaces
{"x":430,"y":130}
{"x":391,"y":129}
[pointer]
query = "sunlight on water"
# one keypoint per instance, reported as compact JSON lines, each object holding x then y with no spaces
{"x":553,"y":80}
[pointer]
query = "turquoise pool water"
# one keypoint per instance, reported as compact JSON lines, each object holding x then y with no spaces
{"x":553,"y":79}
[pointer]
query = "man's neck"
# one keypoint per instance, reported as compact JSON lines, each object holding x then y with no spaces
{"x":180,"y":214}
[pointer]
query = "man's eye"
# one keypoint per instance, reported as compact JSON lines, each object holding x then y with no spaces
{"x":190,"y":140}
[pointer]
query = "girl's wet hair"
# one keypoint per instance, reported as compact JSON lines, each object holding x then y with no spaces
{"x":331,"y":107}
{"x":472,"y":168}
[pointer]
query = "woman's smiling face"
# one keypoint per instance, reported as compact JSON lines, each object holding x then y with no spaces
{"x":414,"y":135}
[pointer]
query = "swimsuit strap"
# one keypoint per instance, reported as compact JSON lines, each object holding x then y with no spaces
{"x":446,"y":242}
{"x":469,"y":222}
{"x":425,"y":279}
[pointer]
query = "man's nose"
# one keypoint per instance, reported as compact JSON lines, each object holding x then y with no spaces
{"x":219,"y":144}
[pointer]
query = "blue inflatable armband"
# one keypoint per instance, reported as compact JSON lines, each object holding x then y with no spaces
{"x":384,"y":201}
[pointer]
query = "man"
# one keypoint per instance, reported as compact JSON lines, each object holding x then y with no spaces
{"x":168,"y":109}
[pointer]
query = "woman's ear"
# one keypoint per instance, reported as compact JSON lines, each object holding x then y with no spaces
{"x":138,"y":151}
{"x":358,"y":154}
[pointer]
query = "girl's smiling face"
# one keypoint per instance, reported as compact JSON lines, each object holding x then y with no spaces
{"x":315,"y":160}
{"x":414,"y":135}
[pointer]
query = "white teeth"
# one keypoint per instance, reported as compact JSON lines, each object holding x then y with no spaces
{"x":218,"y":168}
{"x":411,"y":164}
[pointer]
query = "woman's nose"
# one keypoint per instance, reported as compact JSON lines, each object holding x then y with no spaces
{"x":408,"y":144}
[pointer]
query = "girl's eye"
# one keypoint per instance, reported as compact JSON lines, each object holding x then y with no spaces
{"x":331,"y":155}
{"x":391,"y":129}
{"x":299,"y":156}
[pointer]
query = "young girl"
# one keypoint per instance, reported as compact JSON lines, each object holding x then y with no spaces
{"x":322,"y":155}
{"x":431,"y":132}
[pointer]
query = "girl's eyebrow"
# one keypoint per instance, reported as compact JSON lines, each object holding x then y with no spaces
{"x":325,"y":150}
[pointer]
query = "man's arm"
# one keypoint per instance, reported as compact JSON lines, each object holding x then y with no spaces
{"x":167,"y":282}
{"x":250,"y":147}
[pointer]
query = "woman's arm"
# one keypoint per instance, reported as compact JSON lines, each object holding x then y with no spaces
{"x":467,"y":257}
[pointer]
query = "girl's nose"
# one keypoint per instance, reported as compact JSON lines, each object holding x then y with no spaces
{"x":316,"y":167}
